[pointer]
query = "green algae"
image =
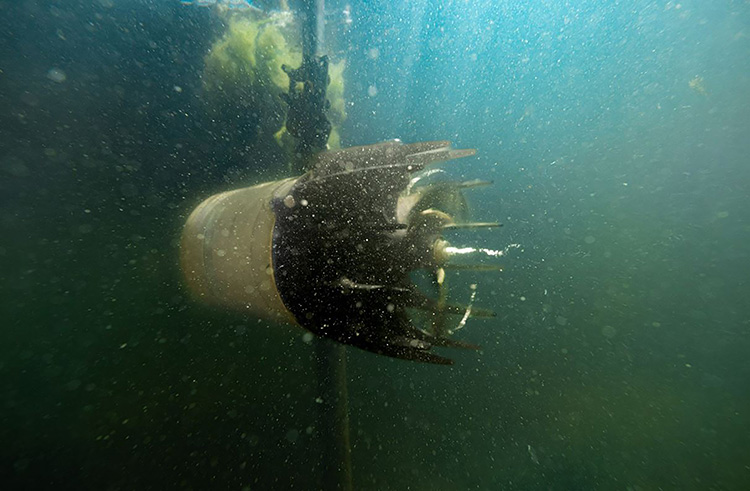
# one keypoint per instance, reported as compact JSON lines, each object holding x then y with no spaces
{"x":243,"y":79}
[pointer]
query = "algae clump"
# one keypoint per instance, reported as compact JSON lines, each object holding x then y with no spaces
{"x":243,"y":84}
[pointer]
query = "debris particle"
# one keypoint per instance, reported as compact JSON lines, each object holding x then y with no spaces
{"x":56,"y":75}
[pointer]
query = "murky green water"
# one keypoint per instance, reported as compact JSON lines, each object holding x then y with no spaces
{"x":616,"y":137}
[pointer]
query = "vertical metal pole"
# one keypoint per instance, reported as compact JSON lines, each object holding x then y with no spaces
{"x":336,"y":462}
{"x":313,"y":28}
{"x":330,"y":357}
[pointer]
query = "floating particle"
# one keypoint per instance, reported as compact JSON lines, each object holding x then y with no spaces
{"x":292,"y":435}
{"x":609,"y":332}
{"x":698,"y":85}
{"x":56,"y":75}
{"x":73,"y":385}
{"x":532,"y":454}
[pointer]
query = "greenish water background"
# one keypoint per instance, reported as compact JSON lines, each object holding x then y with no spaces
{"x":619,"y":359}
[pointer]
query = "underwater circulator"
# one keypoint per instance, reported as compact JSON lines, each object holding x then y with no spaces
{"x":333,"y":250}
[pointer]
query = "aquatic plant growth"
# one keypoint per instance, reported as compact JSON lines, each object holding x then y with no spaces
{"x":244,"y":83}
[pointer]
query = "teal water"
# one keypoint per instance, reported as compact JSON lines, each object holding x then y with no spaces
{"x":616,"y":137}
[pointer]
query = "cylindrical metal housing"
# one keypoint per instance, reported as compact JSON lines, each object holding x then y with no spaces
{"x":333,"y":250}
{"x":225,"y":251}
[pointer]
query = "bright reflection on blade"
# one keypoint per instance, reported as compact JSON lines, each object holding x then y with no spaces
{"x":468,"y":310}
{"x":489,"y":252}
